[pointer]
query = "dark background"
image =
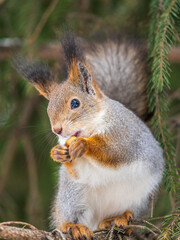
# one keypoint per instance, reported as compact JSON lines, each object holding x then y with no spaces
{"x":28,"y":176}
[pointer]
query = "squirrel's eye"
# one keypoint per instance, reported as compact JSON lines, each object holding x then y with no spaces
{"x":75,"y":103}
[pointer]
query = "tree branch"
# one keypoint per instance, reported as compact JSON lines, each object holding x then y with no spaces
{"x":7,"y":232}
{"x":53,"y":51}
{"x":11,"y":232}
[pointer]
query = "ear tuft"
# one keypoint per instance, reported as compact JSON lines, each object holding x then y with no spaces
{"x":78,"y":73}
{"x":86,"y":79}
{"x":35,"y":73}
{"x":71,"y":48}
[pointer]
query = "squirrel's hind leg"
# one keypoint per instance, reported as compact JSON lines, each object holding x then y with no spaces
{"x":119,"y":221}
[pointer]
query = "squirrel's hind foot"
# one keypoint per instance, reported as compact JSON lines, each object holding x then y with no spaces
{"x":60,"y":154}
{"x":77,"y":231}
{"x":119,"y":221}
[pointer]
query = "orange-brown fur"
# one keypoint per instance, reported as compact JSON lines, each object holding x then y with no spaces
{"x":63,"y":153}
{"x":71,"y":169}
{"x":93,"y":147}
{"x":98,"y":150}
{"x":74,"y":75}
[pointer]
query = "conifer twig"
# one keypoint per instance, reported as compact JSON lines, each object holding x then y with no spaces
{"x":152,"y":225}
{"x":156,"y":218}
{"x":42,"y":22}
{"x":168,"y":230}
{"x":161,"y":41}
{"x":152,"y":204}
{"x":142,"y":228}
{"x":161,"y":79}
{"x":111,"y":233}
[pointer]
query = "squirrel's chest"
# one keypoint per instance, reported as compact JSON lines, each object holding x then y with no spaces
{"x":89,"y":172}
{"x":95,"y":175}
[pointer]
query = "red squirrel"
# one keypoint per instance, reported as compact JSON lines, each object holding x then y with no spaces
{"x":110,"y":161}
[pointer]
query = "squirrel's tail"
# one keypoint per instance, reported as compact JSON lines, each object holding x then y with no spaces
{"x":120,"y":69}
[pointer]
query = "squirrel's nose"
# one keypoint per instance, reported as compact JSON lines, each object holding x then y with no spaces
{"x":57,"y":130}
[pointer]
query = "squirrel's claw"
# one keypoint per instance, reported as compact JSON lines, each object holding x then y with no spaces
{"x":78,"y":231}
{"x":119,"y":221}
{"x":60,"y":154}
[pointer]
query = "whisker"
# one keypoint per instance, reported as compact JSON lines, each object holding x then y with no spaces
{"x":41,"y":133}
{"x":49,"y":140}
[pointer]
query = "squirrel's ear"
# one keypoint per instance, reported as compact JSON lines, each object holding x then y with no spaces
{"x":39,"y":76}
{"x":86,"y":80}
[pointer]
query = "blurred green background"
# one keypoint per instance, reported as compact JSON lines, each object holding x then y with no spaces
{"x":28,"y":177}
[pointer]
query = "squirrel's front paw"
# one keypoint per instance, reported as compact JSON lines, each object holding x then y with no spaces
{"x":77,"y":147}
{"x":60,"y":154}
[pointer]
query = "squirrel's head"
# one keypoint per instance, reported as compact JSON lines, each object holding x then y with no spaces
{"x":75,"y":105}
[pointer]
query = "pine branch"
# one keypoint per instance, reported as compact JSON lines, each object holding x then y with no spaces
{"x":171,"y":223}
{"x":172,"y":226}
{"x":162,"y":38}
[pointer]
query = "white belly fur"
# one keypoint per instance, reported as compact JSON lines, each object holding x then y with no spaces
{"x":111,"y":192}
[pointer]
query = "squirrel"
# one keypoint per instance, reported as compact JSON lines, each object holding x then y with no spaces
{"x":111,"y":163}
